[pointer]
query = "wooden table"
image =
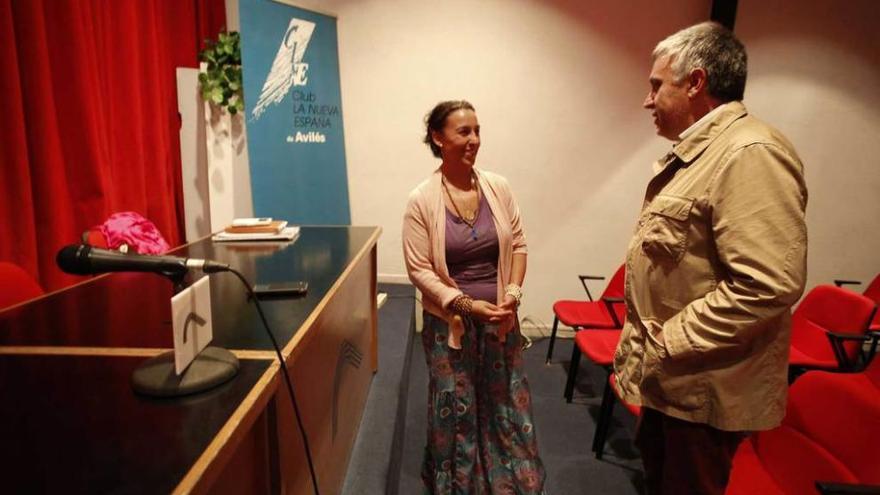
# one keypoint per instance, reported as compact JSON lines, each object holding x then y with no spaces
{"x":71,"y":423}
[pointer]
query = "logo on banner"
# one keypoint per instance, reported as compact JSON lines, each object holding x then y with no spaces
{"x":288,"y":68}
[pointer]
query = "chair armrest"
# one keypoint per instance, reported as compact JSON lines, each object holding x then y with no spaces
{"x":609,"y":304}
{"x":872,"y":350}
{"x":837,"y":339}
{"x":849,"y":336}
{"x":841,"y":283}
{"x":584,"y":279}
{"x":831,"y":488}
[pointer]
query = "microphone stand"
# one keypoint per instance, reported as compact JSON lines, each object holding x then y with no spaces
{"x":213,"y":366}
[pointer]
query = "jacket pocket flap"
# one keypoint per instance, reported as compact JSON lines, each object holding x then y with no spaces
{"x":672,"y":206}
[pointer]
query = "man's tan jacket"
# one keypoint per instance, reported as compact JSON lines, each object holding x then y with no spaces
{"x":717,"y":260}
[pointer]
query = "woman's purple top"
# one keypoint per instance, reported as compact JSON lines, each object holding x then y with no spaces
{"x":473,"y":263}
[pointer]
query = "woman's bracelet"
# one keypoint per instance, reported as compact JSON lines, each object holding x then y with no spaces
{"x":515,"y":292}
{"x":462,"y":305}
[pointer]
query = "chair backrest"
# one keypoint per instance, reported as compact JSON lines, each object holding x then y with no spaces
{"x":872,"y":292}
{"x":827,"y":308}
{"x":830,"y":433}
{"x":16,"y":285}
{"x":614,"y":289}
{"x":615,"y":285}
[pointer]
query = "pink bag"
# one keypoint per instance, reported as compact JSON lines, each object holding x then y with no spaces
{"x":130,"y":229}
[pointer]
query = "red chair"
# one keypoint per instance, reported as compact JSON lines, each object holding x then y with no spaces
{"x":872,"y":293}
{"x":16,"y":285}
{"x":608,"y":312}
{"x":606,"y":411}
{"x":829,"y":328}
{"x":830,"y":438}
{"x":599,"y":346}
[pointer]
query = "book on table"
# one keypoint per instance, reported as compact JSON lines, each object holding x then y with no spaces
{"x":276,"y":230}
{"x":273,"y":227}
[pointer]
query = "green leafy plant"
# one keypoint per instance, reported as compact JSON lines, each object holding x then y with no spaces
{"x":221,"y":82}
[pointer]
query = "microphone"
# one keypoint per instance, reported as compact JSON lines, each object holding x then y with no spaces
{"x":82,"y":259}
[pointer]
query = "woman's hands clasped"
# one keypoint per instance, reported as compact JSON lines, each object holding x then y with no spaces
{"x":490,"y":313}
{"x":485,"y":311}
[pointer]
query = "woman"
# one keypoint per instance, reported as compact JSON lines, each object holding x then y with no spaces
{"x":465,"y":251}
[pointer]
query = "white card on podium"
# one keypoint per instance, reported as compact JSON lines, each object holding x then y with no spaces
{"x":191,"y":314}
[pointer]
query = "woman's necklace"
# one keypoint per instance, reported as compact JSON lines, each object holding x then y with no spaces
{"x":472,"y":221}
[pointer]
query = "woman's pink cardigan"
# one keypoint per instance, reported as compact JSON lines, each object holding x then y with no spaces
{"x":424,"y":244}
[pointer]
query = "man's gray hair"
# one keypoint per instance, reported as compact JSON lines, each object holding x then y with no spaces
{"x":713,"y":48}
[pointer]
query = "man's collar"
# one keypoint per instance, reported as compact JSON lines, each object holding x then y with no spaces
{"x":701,"y":122}
{"x":698,"y":136}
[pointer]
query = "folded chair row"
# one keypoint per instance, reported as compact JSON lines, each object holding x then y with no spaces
{"x":832,"y":329}
{"x":828,"y":327}
{"x":828,"y":443}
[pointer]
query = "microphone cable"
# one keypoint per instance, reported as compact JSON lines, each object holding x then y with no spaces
{"x":287,"y":380}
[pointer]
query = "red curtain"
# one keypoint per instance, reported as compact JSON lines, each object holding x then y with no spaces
{"x":91,"y":124}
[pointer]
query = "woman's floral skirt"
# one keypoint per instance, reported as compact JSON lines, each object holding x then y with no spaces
{"x":481,"y":436}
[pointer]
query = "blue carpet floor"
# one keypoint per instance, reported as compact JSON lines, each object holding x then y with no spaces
{"x":374,"y":466}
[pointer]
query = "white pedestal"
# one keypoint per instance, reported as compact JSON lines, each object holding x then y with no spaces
{"x":214,"y":161}
{"x":228,"y":171}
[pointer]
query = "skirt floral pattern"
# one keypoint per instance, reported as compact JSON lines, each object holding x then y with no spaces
{"x":481,"y":437}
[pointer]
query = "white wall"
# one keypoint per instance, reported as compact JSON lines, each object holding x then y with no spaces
{"x":814,"y":72}
{"x":558,"y":87}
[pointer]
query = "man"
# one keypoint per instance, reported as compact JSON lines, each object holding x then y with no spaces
{"x":717,"y":260}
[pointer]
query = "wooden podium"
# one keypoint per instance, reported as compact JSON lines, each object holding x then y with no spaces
{"x":73,"y":424}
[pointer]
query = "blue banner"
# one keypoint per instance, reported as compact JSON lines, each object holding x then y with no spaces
{"x":293,"y":107}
